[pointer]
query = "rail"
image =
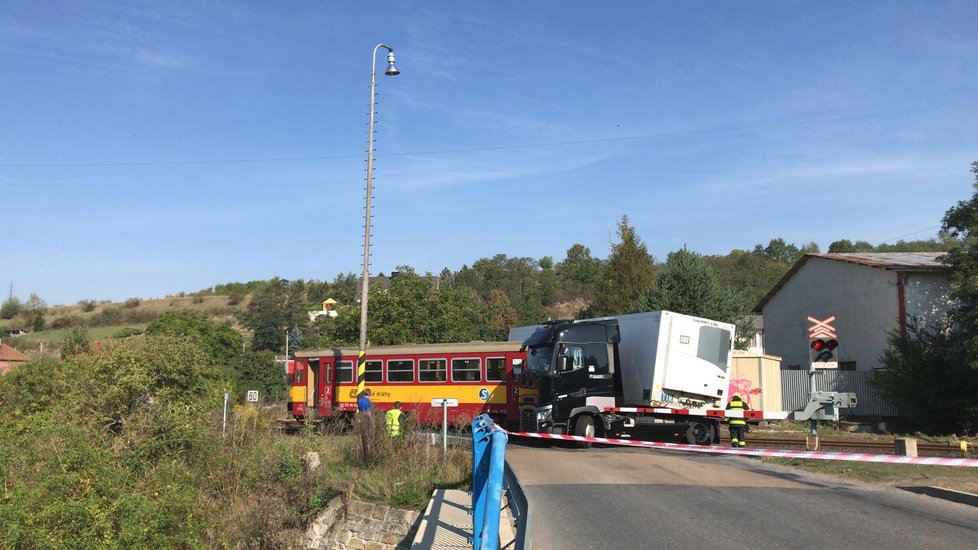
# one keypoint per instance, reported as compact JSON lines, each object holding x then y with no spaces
{"x":940,"y":449}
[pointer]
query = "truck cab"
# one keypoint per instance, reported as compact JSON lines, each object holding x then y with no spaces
{"x":572,"y":365}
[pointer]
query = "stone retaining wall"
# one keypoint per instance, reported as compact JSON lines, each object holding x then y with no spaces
{"x":361,"y":526}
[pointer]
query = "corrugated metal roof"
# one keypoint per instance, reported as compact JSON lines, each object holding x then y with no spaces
{"x":900,"y":261}
{"x":894,"y":261}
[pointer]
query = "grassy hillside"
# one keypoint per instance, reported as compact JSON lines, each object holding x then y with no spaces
{"x":103,"y":320}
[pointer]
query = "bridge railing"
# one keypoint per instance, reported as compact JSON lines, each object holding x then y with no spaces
{"x":488,"y":465}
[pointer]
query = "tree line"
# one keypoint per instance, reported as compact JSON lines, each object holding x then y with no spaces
{"x":484,"y":300}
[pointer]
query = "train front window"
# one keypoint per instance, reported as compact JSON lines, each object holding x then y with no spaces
{"x":539,"y":359}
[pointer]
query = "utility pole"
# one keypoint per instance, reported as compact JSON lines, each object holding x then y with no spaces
{"x":10,"y":294}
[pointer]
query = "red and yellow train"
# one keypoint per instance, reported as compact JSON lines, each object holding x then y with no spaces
{"x":482,"y":376}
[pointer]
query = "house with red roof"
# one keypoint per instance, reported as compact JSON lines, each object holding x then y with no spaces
{"x":9,"y":358}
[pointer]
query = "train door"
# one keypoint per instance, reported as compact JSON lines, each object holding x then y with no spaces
{"x":514,"y":370}
{"x":327,"y":376}
{"x":312,"y":382}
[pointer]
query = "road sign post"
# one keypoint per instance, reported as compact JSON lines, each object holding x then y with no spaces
{"x":444,"y":403}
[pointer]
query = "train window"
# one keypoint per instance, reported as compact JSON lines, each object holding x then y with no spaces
{"x":431,"y":370}
{"x":373,"y":371}
{"x":299,"y":370}
{"x":495,"y":369}
{"x":466,"y":370}
{"x":344,"y":371}
{"x":401,"y":370}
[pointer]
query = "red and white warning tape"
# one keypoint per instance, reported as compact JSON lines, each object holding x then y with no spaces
{"x":712,"y":413}
{"x":812,"y":455}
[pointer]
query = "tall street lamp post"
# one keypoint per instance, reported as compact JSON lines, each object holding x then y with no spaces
{"x":391,"y":71}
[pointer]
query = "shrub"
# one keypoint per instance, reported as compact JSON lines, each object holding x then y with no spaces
{"x":106,"y":317}
{"x":76,"y":341}
{"x":87,"y":305}
{"x":66,"y":321}
{"x":127,"y":332}
{"x":235,"y":297}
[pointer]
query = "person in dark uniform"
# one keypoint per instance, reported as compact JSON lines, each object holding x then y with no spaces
{"x":738,"y":426}
{"x":364,"y":406}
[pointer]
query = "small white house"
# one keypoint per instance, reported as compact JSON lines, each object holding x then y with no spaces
{"x":867,"y":293}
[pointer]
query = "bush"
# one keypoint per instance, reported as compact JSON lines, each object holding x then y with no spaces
{"x":87,"y":305}
{"x":76,"y":341}
{"x":235,"y":297}
{"x":106,"y":317}
{"x":127,"y":332}
{"x":132,"y":303}
{"x":932,"y":379}
{"x":66,"y":321}
{"x":37,"y":323}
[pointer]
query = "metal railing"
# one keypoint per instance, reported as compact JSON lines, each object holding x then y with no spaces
{"x":488,"y":463}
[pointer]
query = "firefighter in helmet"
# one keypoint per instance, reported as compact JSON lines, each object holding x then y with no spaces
{"x":738,"y":426}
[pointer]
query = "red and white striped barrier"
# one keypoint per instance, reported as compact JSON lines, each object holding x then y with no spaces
{"x":774,"y":453}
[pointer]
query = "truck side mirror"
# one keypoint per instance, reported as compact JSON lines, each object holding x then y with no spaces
{"x":564,"y":363}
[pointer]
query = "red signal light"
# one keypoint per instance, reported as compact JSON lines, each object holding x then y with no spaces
{"x":819,"y":345}
{"x":831,"y":344}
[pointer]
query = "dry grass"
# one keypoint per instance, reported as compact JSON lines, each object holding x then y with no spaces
{"x":258,"y":493}
{"x":891,"y":475}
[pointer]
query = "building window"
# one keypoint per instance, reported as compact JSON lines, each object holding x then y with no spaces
{"x":495,"y":369}
{"x":847,"y":365}
{"x":466,"y":370}
{"x":431,"y":370}
{"x":373,"y":371}
{"x":401,"y":370}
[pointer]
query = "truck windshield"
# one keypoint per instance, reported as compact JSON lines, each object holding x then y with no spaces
{"x":539,"y":359}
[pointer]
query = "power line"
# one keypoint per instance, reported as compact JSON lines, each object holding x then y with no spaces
{"x":679,"y":133}
{"x":908,"y":234}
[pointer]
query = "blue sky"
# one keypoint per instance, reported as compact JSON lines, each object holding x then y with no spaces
{"x":515,"y":127}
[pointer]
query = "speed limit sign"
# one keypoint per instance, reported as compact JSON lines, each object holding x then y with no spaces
{"x":252,"y":396}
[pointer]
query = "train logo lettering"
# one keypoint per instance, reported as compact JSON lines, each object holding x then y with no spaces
{"x":484,"y":394}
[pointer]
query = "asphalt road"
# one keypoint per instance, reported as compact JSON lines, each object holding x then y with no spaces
{"x":610,"y":498}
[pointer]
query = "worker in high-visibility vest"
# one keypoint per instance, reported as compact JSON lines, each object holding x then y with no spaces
{"x":738,"y":426}
{"x":393,"y":420}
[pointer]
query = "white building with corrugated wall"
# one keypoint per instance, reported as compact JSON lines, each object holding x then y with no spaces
{"x":868,"y":294}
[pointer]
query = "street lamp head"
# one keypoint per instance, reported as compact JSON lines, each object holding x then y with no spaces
{"x":391,"y":69}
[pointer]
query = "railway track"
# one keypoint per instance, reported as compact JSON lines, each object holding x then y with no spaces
{"x":874,"y":447}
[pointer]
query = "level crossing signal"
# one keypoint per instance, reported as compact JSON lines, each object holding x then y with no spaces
{"x":822,"y":343}
{"x":823,"y":350}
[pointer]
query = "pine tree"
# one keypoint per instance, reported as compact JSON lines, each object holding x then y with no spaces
{"x":687,"y":284}
{"x":629,"y":272}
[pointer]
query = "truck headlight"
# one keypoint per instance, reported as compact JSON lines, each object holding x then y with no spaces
{"x":544,"y":416}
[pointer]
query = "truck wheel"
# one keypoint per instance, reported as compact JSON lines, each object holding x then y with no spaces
{"x":584,"y":426}
{"x":699,"y":433}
